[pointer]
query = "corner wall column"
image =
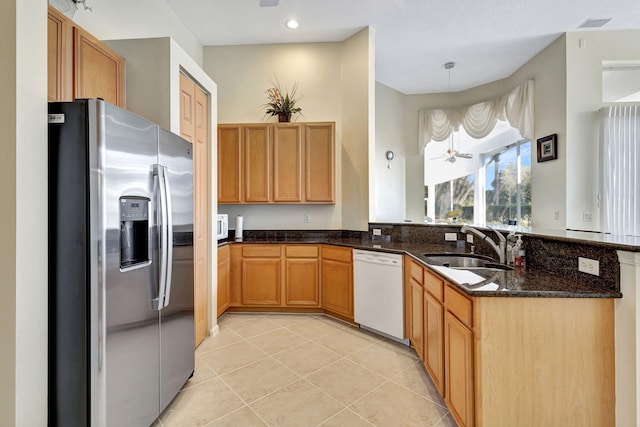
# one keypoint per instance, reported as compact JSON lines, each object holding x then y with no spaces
{"x":627,"y":340}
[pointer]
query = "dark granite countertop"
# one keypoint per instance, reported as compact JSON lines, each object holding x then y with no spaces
{"x":476,"y":283}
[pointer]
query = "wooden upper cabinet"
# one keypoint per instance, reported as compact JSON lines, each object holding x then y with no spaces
{"x":98,"y":70}
{"x":276,"y":163}
{"x":229,"y":163}
{"x":319,"y":163}
{"x":287,"y":163}
{"x":79,"y":65}
{"x":58,"y":57}
{"x":257,"y":164}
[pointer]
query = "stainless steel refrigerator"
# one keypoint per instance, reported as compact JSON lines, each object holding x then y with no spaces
{"x":121,"y":332}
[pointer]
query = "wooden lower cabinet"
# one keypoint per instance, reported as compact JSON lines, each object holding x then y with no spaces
{"x":302,"y":276}
{"x":416,"y":334}
{"x":458,"y":370}
{"x":337,"y":281}
{"x":515,"y":361}
{"x":433,"y":344}
{"x":224,"y":276}
{"x":261,"y":281}
{"x":274,"y":276}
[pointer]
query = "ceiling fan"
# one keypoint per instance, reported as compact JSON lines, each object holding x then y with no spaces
{"x":451,"y":155}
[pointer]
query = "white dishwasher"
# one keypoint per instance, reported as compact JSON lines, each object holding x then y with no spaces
{"x":378,"y":293}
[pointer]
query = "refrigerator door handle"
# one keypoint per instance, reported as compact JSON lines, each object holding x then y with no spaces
{"x":162,"y":226}
{"x":169,"y":247}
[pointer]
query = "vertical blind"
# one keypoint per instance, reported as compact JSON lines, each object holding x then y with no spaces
{"x":621,"y":169}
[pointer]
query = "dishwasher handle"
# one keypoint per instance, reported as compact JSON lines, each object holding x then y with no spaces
{"x":377,"y":258}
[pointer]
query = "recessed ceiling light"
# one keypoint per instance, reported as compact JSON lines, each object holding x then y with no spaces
{"x":292,"y":24}
{"x":594,"y":23}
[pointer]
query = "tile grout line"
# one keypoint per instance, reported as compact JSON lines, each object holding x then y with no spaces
{"x":336,"y":327}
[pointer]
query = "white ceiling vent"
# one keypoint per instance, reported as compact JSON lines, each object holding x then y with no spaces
{"x":594,"y":23}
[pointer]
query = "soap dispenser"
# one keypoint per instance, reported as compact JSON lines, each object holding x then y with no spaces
{"x":519,"y":260}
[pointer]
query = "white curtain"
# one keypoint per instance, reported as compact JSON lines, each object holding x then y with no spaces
{"x":480,"y":119}
{"x":621,"y":169}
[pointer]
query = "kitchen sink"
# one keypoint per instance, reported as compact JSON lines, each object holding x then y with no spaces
{"x":465,"y":261}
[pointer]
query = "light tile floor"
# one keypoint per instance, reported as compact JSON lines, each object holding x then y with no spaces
{"x":304,"y":370}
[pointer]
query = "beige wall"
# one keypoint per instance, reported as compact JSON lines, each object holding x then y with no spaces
{"x":323,"y":72}
{"x":23,"y":214}
{"x":153,"y":69}
{"x":358,"y":109}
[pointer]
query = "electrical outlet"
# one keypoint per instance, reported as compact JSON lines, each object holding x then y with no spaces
{"x":306,"y":219}
{"x":556,"y":215}
{"x":450,"y":237}
{"x":470,"y":238}
{"x":377,"y":232}
{"x":589,"y":266}
{"x":586,"y":216}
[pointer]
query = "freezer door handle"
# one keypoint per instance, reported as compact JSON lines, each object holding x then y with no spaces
{"x":169,"y":232}
{"x":159,"y":172}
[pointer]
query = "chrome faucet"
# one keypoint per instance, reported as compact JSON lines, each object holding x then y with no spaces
{"x":500,"y":248}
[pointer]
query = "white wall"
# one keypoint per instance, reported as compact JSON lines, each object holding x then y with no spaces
{"x":548,"y":179}
{"x":23,"y":214}
{"x":584,"y":99}
{"x":390,"y":183}
{"x":125,"y":19}
{"x":244,"y":73}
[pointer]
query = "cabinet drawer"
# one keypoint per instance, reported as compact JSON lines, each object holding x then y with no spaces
{"x":223,"y":252}
{"x":434,"y":285}
{"x":336,"y":253}
{"x":266,"y":251}
{"x":459,"y":305}
{"x":304,"y":251}
{"x":415,"y":270}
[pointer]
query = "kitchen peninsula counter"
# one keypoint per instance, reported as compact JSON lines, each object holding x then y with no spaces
{"x":494,"y":283}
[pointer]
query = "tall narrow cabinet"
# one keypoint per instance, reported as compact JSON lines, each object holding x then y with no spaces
{"x":194,"y":128}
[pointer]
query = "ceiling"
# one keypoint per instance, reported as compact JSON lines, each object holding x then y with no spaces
{"x":487,"y":39}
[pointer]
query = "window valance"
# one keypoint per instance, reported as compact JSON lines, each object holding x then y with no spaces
{"x":479,"y":119}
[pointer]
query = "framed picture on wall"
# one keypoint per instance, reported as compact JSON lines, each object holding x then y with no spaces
{"x":548,"y":148}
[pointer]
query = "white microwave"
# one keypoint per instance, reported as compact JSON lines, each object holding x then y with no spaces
{"x":223,"y":226}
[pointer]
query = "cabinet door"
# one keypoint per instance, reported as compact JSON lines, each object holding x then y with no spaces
{"x":337,"y":287}
{"x":416,"y":335}
{"x":224,"y":271}
{"x":98,"y":70}
{"x":458,"y":351}
{"x":261,"y":281}
{"x":302,"y":286}
{"x":319,"y":163}
{"x":229,"y":163}
{"x":58,"y":57}
{"x":257,"y":163}
{"x":434,"y":340}
{"x":287,"y":163}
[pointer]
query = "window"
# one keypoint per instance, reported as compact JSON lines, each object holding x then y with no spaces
{"x":480,"y":181}
{"x":508,"y":185}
